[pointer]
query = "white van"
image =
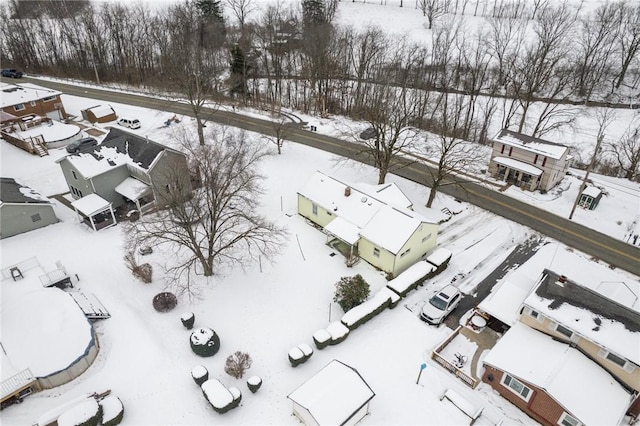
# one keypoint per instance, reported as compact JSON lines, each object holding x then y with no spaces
{"x":132,"y":123}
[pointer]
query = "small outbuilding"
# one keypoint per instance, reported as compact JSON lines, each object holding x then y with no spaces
{"x":99,"y":114}
{"x":336,"y":395}
{"x":590,"y":197}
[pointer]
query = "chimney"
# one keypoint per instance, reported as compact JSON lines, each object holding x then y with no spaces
{"x":562,"y":279}
{"x":347,"y":191}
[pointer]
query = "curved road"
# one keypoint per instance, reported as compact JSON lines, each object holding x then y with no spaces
{"x":601,"y":246}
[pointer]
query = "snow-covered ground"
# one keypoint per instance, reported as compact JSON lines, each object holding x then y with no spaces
{"x":265,"y":310}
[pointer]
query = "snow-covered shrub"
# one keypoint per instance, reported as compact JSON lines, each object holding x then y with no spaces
{"x":188,"y":319}
{"x":112,"y":411}
{"x":200,"y":374}
{"x":366,"y":310}
{"x":221,"y":398}
{"x":254,"y":383}
{"x":165,"y":301}
{"x":440,"y":259}
{"x":321,"y":338}
{"x":86,"y":413}
{"x":237,"y":364}
{"x":300,"y":354}
{"x":351,"y":291}
{"x":205,"y":342}
{"x":143,"y":272}
{"x":410,"y":279}
{"x":338,"y":332}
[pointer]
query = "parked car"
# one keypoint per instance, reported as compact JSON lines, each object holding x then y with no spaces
{"x":132,"y":123}
{"x":440,"y":305}
{"x":81,"y":145}
{"x":11,"y":72}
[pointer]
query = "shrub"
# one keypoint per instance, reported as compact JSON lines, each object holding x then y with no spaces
{"x":188,"y":319}
{"x":112,"y":411}
{"x":142,"y":272}
{"x":237,"y":364}
{"x":200,"y":374}
{"x":351,"y":291}
{"x":205,"y":342}
{"x":165,"y":301}
{"x":87,"y":413}
{"x":254,"y":383}
{"x":321,"y":338}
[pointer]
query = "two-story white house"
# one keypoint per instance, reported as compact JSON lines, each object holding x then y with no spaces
{"x":528,"y":162}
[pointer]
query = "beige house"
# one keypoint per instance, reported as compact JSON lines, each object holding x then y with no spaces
{"x":528,"y":162}
{"x":373,"y":223}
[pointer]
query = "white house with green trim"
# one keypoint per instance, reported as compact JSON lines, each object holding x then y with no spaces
{"x":372,"y":222}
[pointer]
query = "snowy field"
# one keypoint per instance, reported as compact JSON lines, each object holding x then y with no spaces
{"x":265,"y":310}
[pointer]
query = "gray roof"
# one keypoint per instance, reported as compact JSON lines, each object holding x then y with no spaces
{"x":525,"y":139}
{"x":581,"y":297}
{"x":13,"y":192}
{"x":141,"y":150}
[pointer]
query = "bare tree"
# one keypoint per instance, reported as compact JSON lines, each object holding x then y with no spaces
{"x":628,"y":38}
{"x":219,"y":226}
{"x":450,"y":153}
{"x":242,"y":9}
{"x":626,"y":152}
{"x":432,"y":9}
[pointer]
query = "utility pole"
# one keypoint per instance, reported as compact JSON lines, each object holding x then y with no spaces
{"x":586,"y":176}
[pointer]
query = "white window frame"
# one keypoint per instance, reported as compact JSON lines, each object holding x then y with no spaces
{"x":427,"y":238}
{"x":32,"y":103}
{"x":376,"y":252}
{"x":49,"y":99}
{"x":574,"y":337}
{"x":406,"y":252}
{"x":566,"y":415}
{"x":19,"y":107}
{"x":628,"y":366}
{"x":314,"y":209}
{"x":514,"y":380}
{"x":534,"y":314}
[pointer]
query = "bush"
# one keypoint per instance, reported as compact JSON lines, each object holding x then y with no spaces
{"x":351,"y":291}
{"x":200,"y":374}
{"x":165,"y":301}
{"x":188,"y":319}
{"x":112,"y":411}
{"x":254,"y":383}
{"x":321,"y":338}
{"x":143,"y":272}
{"x":205,"y":342}
{"x":87,"y":413}
{"x":237,"y":364}
{"x":300,"y":354}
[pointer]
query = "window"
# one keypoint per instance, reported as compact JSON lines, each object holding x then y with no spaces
{"x":404,"y":253}
{"x":617,"y":360}
{"x":49,"y":99}
{"x":510,"y":150}
{"x":376,"y":252}
{"x":73,"y":172}
{"x":544,"y":161}
{"x":314,"y":209}
{"x":535,"y":160}
{"x":502,"y":150}
{"x":36,"y":217}
{"x":427,"y":238}
{"x":32,"y":103}
{"x":534,"y":314}
{"x":568,"y":420}
{"x":564,"y":331}
{"x":18,"y":107}
{"x":516,"y":387}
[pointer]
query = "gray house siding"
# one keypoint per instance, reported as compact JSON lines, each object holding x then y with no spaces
{"x":78,"y":185}
{"x":18,"y":218}
{"x":106,"y":183}
{"x":170,"y":169}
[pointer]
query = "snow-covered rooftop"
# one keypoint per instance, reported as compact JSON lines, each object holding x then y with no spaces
{"x":132,"y":188}
{"x":364,"y":211}
{"x":535,"y":145}
{"x":334,"y":394}
{"x":91,"y":204}
{"x":518,"y":165}
{"x":580,"y":385}
{"x":592,"y":191}
{"x":388,"y":193}
{"x":102,"y":110}
{"x":52,"y":131}
{"x":13,"y":192}
{"x":14,"y":94}
{"x":590,"y":313}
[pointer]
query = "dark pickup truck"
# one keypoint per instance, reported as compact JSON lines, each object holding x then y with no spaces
{"x":11,"y":72}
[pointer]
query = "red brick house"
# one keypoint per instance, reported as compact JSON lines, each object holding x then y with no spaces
{"x":26,"y":98}
{"x":553,"y":382}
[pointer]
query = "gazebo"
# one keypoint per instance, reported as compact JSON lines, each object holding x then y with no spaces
{"x":94,"y":208}
{"x":336,"y":395}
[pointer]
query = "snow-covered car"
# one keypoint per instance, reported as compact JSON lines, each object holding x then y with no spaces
{"x":81,"y":145}
{"x":440,"y":305}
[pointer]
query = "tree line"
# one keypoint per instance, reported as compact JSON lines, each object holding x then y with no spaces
{"x":454,"y":83}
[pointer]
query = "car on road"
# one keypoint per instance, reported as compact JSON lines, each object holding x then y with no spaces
{"x":81,"y":145}
{"x":132,"y":123}
{"x":11,"y":72}
{"x":440,"y":305}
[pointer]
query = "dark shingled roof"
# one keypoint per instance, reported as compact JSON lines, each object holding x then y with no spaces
{"x":526,"y":139}
{"x":10,"y":193}
{"x":141,"y":150}
{"x":585,"y":298}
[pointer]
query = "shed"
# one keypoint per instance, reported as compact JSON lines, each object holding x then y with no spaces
{"x":336,"y":395}
{"x":590,"y":197}
{"x":23,"y":209}
{"x":99,"y":114}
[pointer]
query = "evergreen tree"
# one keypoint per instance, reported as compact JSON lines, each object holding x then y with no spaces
{"x":239,"y":70}
{"x":210,"y":9}
{"x":313,"y":12}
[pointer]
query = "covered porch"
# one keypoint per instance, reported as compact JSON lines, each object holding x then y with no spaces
{"x":140,"y":193}
{"x":518,"y":173}
{"x":95,"y":211}
{"x":343,"y":236}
